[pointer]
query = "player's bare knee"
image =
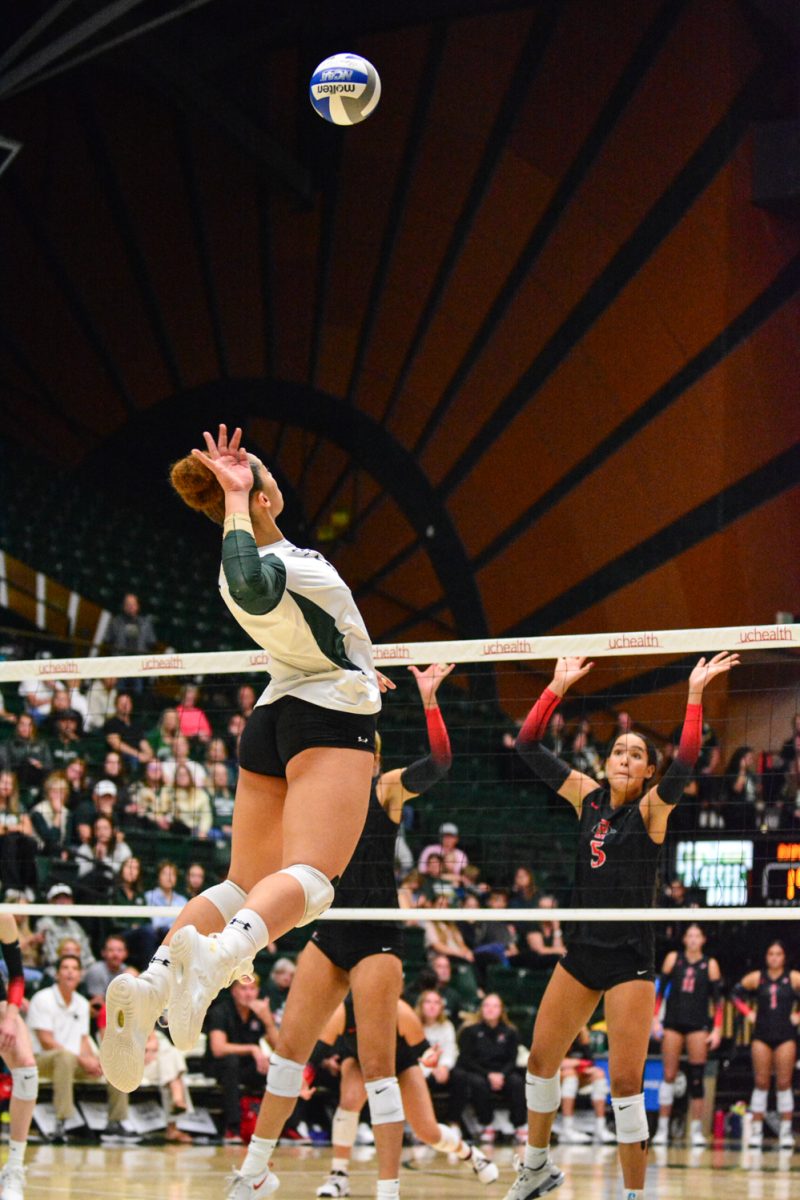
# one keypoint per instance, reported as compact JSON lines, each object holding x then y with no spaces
{"x":625,"y":1083}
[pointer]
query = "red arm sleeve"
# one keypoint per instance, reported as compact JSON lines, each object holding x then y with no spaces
{"x":438,"y":737}
{"x":691,"y":735}
{"x":537,"y":720}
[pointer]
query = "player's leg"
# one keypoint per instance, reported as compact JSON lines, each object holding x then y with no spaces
{"x":697,"y":1054}
{"x":784,"y":1062}
{"x":323,"y":815}
{"x":376,"y":983}
{"x":352,"y":1098}
{"x":566,"y":1007}
{"x":24,"y":1091}
{"x":629,"y":1015}
{"x":133,"y":1005}
{"x":761,"y":1055}
{"x":317,"y":989}
{"x":671,"y":1048}
{"x":595,"y":1078}
{"x":419,"y":1112}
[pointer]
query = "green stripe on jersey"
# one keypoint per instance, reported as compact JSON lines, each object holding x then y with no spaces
{"x":323,"y":627}
{"x":256,"y":584}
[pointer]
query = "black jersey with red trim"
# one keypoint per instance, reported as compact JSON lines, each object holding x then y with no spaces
{"x":406,"y":1055}
{"x":775,"y":1000}
{"x":368,"y":880}
{"x":689,"y":995}
{"x":616,"y":867}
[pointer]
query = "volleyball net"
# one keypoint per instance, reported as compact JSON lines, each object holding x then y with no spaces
{"x":734,"y":842}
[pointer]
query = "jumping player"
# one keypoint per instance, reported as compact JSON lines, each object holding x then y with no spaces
{"x":622,"y":827}
{"x":15,"y":1048}
{"x":306,"y":758}
{"x":774,"y":1044}
{"x":365,"y":959}
{"x":413,"y":1052}
{"x":692,"y":985}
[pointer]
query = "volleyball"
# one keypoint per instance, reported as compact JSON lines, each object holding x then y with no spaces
{"x":345,"y":89}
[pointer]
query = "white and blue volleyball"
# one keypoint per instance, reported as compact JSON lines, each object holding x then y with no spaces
{"x":345,"y":89}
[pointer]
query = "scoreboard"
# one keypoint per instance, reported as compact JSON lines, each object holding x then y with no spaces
{"x":739,"y":871}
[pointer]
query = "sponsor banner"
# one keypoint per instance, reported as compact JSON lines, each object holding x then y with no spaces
{"x":594,"y":645}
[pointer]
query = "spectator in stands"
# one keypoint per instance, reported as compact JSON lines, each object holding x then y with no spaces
{"x":790,"y":750}
{"x":622,"y":727}
{"x":194,"y":880}
{"x":59,"y":706}
{"x":136,"y":931}
{"x":233,"y":731}
{"x":188,"y":803}
{"x":100,"y":859}
{"x":101,"y":700}
{"x":111,"y":964}
{"x":27,"y":754}
{"x":790,"y":795}
{"x":525,"y":889}
{"x":51,"y":820}
{"x":486,"y":1071}
{"x":245,"y":700}
{"x":494,"y":941}
{"x":114,"y":768}
{"x":281,"y":978}
{"x":583,"y":755}
{"x":102,"y":804}
{"x":221,"y":795}
{"x":555,"y":739}
{"x":472,"y":884}
{"x":67,"y":744}
{"x":454,"y":859}
{"x":162,"y":738}
{"x":543,"y":944}
{"x":236,"y":1025}
{"x":30,"y":942}
{"x":77,"y":779}
{"x":457,"y":991}
{"x":37,"y":695}
{"x":53,"y":930}
{"x":165,"y":1068}
{"x":146,"y":809}
{"x":9,"y":718}
{"x":444,"y":937}
{"x":18,"y":846}
{"x":58,"y":1019}
{"x":434,"y":885}
{"x":181,"y":749}
{"x":439,"y":1031}
{"x":130,"y":631}
{"x":743,"y":806}
{"x":164,"y":896}
{"x":410,"y":893}
{"x":192,"y":721}
{"x":124,"y":734}
{"x":11,"y":819}
{"x":217,"y":754}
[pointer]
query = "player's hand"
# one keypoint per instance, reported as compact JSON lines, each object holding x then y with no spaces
{"x":227,"y":460}
{"x":795,"y":1018}
{"x":431,"y":1056}
{"x":657,"y":1031}
{"x":568,"y":670}
{"x":428,"y":681}
{"x":385,"y":684}
{"x":705,"y":671}
{"x":714,"y":1038}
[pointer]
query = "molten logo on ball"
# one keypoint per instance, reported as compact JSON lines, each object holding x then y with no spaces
{"x":345,"y":89}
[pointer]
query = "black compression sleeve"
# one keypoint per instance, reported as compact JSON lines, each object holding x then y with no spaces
{"x":423,"y":774}
{"x":673,"y":783}
{"x":716,"y":991}
{"x":551,"y":770}
{"x":419,"y":1048}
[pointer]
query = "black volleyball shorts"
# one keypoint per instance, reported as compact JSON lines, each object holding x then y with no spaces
{"x":276,"y":732}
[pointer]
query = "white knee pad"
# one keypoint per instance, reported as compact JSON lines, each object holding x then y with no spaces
{"x":758,"y":1101}
{"x":284,"y":1077}
{"x":630,"y":1118}
{"x":25,"y":1082}
{"x":542,"y":1095}
{"x":227,"y":897}
{"x":344,"y":1128}
{"x":385,"y":1101}
{"x":785,"y":1098}
{"x":317,"y":888}
{"x":449,"y":1140}
{"x":570,"y":1086}
{"x":666,"y":1094}
{"x":599,"y":1088}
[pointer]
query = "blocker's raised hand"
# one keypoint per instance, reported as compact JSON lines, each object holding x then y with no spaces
{"x":428,"y":680}
{"x":568,"y":670}
{"x":705,"y":671}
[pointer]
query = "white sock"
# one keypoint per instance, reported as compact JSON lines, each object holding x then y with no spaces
{"x":388,"y":1189}
{"x":600,"y":1124}
{"x":632,"y":1193}
{"x":341,"y":1164}
{"x":568,"y":1122}
{"x":16,"y":1153}
{"x":158,"y":973}
{"x":463,"y":1151}
{"x":536,"y":1156}
{"x":696,"y":1126}
{"x":258,"y":1155}
{"x":245,"y":934}
{"x":663,"y":1124}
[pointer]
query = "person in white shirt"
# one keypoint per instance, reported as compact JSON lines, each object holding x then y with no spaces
{"x":58,"y":1021}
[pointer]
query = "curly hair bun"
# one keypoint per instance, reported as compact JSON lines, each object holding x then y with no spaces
{"x":198,"y":488}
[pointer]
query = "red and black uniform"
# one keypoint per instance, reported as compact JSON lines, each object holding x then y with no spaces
{"x":368,"y":880}
{"x":775,"y":1001}
{"x":690,"y":995}
{"x":347,"y":1042}
{"x":15,"y":993}
{"x":616,"y":861}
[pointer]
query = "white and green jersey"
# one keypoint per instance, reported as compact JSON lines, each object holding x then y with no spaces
{"x":296,"y":606}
